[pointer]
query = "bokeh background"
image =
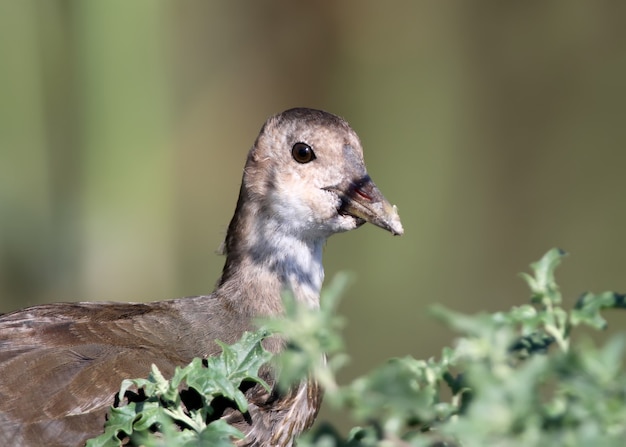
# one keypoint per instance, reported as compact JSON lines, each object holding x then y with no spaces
{"x":498,"y":128}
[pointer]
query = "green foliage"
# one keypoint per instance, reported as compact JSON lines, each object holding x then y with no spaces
{"x":164,"y":411}
{"x":512,"y":378}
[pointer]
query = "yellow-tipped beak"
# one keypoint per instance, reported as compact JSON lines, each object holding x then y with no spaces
{"x":364,"y":200}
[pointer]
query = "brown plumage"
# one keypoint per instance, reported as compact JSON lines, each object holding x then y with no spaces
{"x":61,"y":364}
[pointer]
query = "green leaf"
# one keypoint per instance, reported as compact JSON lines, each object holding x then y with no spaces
{"x":218,"y":434}
{"x":224,"y":374}
{"x":120,"y":420}
{"x":589,"y":305}
{"x":107,"y":439}
{"x":543,"y":285}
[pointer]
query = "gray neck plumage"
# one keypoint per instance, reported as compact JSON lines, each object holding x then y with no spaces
{"x":264,"y":259}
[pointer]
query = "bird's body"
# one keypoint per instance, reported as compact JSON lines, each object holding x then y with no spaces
{"x":61,"y":364}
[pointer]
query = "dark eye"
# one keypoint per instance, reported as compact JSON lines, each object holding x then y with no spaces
{"x":302,"y":153}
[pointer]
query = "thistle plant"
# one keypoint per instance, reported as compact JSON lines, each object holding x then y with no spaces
{"x":510,"y":378}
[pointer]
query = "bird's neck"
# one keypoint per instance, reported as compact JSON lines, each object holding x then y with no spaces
{"x":264,"y":260}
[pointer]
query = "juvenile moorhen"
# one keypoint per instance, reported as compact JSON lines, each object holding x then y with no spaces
{"x":62,"y":364}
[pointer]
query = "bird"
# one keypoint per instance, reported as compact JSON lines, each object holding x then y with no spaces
{"x":61,"y":364}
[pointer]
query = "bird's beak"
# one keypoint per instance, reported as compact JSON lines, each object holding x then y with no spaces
{"x":363,"y":200}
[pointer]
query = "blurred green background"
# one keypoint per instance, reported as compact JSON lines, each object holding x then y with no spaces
{"x":498,"y":128}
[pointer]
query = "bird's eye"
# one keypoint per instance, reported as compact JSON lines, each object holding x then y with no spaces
{"x":302,"y":153}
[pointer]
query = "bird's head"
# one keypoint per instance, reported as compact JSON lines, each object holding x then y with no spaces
{"x":306,"y":171}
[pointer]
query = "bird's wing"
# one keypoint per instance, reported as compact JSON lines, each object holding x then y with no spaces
{"x":61,"y":365}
